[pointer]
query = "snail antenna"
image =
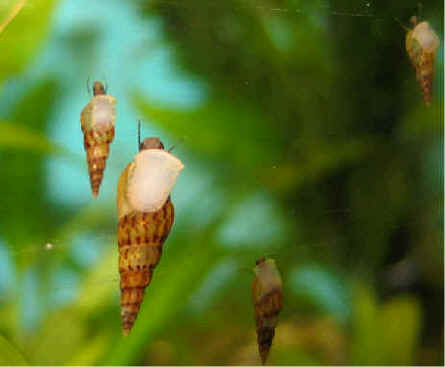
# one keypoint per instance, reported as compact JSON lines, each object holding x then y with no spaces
{"x":88,"y":86}
{"x":105,"y":83}
{"x":175,"y":145}
{"x":401,"y":24}
{"x":139,"y":135}
{"x":419,"y":9}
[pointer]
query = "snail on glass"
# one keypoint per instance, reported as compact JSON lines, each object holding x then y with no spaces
{"x":97,"y":122}
{"x":422,"y":44}
{"x":267,"y":298}
{"x":146,"y":215}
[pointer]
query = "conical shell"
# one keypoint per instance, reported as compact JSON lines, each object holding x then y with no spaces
{"x":141,"y":234}
{"x":97,"y":122}
{"x":267,"y":298}
{"x":422,"y":44}
{"x":152,"y":178}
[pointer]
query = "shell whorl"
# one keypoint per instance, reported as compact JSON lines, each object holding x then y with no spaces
{"x":97,"y":123}
{"x":140,"y":237}
{"x":97,"y":146}
{"x":267,"y":298}
{"x":425,"y":75}
{"x":422,"y":44}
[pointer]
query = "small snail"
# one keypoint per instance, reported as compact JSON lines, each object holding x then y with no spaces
{"x":267,"y":298}
{"x":97,"y":122}
{"x":146,"y":215}
{"x":422,"y":44}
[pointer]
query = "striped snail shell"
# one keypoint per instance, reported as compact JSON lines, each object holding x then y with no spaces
{"x":267,"y":298}
{"x":422,"y":44}
{"x":146,"y":215}
{"x":97,"y":123}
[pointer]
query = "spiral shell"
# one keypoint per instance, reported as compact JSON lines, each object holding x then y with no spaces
{"x":97,"y":123}
{"x":141,"y":233}
{"x":422,"y":44}
{"x":267,"y":298}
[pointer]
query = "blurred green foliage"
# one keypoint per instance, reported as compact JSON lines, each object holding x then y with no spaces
{"x":23,"y":35}
{"x":313,"y":108}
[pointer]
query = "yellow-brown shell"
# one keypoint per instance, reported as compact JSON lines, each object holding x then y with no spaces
{"x":140,"y":237}
{"x":267,"y":298}
{"x":98,"y":133}
{"x":422,"y":44}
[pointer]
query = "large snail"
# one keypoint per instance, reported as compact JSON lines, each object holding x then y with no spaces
{"x":97,"y":122}
{"x":422,"y":44}
{"x":146,"y":215}
{"x":267,"y":298}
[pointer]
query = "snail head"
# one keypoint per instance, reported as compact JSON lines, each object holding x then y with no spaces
{"x":151,"y":143}
{"x":98,"y":88}
{"x":260,"y":260}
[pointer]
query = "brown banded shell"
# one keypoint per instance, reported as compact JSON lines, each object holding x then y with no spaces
{"x":422,"y":44}
{"x":97,"y":122}
{"x":141,"y":235}
{"x":267,"y":298}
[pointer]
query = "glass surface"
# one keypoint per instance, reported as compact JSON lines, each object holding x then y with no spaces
{"x":305,"y":138}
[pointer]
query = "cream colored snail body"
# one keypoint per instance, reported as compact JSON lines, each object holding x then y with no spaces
{"x":152,"y":178}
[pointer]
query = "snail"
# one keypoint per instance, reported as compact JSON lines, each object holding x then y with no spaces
{"x":97,"y":122}
{"x":422,"y":44}
{"x":146,"y":215}
{"x":267,"y":298}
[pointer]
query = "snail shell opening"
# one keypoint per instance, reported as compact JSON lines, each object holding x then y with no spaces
{"x":152,"y":179}
{"x":268,"y":275}
{"x":103,"y":111}
{"x":426,"y":37}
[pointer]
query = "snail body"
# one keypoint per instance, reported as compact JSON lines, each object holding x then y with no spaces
{"x":145,"y":221}
{"x":422,"y":44}
{"x":152,"y":178}
{"x":267,"y":298}
{"x":97,"y":122}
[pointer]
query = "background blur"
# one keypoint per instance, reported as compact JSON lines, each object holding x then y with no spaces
{"x":305,"y":138}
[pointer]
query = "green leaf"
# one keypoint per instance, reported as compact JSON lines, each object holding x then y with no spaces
{"x":18,"y":136}
{"x":92,"y":296}
{"x":386,"y":334}
{"x":24,"y":170}
{"x":58,"y":338}
{"x":22,"y":37}
{"x":400,"y":322}
{"x":90,"y":352}
{"x":365,"y":343}
{"x":9,"y":355}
